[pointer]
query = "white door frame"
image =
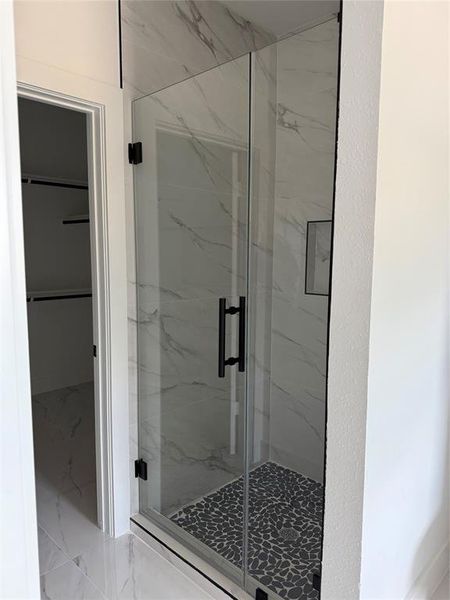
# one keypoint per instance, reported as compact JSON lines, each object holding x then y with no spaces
{"x":100,"y":289}
{"x":104,"y":105}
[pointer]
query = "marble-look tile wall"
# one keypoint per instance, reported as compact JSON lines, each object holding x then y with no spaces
{"x":191,"y":231}
{"x":306,"y":114}
{"x":166,"y":41}
{"x":287,"y":369}
{"x":263,"y":118}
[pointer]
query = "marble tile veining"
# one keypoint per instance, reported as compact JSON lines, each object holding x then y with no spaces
{"x":191,"y":234}
{"x":50,"y":556}
{"x":127,"y":568}
{"x":164,"y":42}
{"x":77,"y":560}
{"x":68,"y":583}
{"x":187,"y":235}
{"x":443,"y":591}
{"x":64,"y":436}
{"x":306,"y":109}
{"x":69,"y":518}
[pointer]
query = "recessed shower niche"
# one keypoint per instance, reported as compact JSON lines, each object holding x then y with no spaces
{"x":233,"y":203}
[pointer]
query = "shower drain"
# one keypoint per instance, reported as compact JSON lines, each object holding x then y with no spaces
{"x":289,"y":534}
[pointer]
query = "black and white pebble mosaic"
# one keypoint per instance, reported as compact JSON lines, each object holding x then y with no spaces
{"x":284,"y":528}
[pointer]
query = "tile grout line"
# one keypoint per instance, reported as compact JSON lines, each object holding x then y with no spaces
{"x":59,"y":548}
{"x":102,"y":595}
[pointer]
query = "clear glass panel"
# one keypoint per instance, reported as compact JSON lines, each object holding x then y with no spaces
{"x":318,"y":255}
{"x":235,"y":464}
{"x":294,"y":96}
{"x":191,"y":231}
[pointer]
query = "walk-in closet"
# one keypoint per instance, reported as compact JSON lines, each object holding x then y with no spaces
{"x":57,"y":235}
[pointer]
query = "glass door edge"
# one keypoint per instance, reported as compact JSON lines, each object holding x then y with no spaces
{"x":160,"y":539}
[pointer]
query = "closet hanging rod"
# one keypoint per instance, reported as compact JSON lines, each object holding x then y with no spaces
{"x":30,"y":179}
{"x":58,"y":295}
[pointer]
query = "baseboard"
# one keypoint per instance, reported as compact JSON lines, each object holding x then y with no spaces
{"x":431,"y":577}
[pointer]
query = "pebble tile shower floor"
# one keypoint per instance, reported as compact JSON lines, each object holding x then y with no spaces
{"x":284,"y":528}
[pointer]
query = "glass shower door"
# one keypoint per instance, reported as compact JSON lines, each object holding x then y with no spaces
{"x":234,"y":204}
{"x":191,"y":219}
{"x":294,"y":91}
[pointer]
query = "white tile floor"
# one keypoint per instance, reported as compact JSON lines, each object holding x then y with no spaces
{"x":443,"y":591}
{"x":77,"y":561}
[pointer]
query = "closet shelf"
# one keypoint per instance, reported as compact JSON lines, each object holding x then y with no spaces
{"x":75,"y":220}
{"x":58,"y":295}
{"x":54,"y":182}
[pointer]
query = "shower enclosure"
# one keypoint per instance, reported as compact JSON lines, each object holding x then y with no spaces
{"x":233,"y":202}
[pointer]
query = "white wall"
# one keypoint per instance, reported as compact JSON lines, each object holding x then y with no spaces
{"x":53,"y":141}
{"x":57,"y":256}
{"x":406,"y":480}
{"x":77,"y":37}
{"x":350,"y":299}
{"x":386,"y":512}
{"x":19,"y":566}
{"x":60,"y":343}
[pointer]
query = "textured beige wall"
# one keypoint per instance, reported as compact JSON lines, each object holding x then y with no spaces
{"x":351,"y":297}
{"x":405,"y":520}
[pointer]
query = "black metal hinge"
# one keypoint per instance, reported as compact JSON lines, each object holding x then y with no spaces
{"x":94,"y":350}
{"x":135,"y":153}
{"x":140,"y":469}
{"x":261,"y":594}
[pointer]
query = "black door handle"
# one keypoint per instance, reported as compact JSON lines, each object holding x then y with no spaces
{"x":222,"y":326}
{"x":241,"y":357}
{"x":223,"y":312}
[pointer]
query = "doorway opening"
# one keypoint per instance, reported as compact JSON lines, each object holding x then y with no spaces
{"x":63,"y":330}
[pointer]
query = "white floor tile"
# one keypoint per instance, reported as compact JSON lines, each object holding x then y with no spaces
{"x":50,"y":556}
{"x":126,"y":568}
{"x":64,"y":436}
{"x":77,"y":560}
{"x":68,"y":583}
{"x":443,"y":591}
{"x":69,"y":518}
